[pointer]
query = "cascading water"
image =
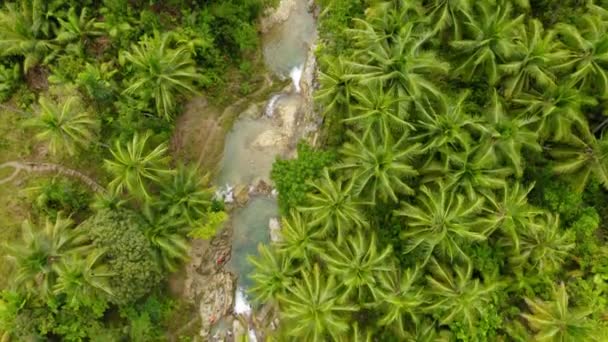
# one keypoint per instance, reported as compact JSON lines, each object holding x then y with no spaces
{"x":286,"y":47}
{"x":296,"y":76}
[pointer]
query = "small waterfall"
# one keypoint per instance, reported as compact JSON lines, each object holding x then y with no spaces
{"x":241,"y":306}
{"x":269,"y":111}
{"x":296,"y":76}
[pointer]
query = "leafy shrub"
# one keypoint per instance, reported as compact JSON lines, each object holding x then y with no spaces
{"x":129,"y":254}
{"x":290,"y":175}
{"x":60,"y":195}
{"x":10,"y":76}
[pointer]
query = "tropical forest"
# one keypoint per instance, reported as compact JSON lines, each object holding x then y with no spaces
{"x":304,"y":170}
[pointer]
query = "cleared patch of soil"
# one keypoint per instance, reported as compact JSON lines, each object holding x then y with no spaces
{"x":199,"y":136}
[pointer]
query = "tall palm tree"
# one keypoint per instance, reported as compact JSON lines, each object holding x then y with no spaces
{"x":559,"y":108}
{"x":511,"y":214}
{"x":333,"y":206}
{"x":188,"y":195}
{"x":65,"y":127}
{"x":377,"y":111}
{"x":359,"y":265}
{"x":312,"y":309}
{"x":456,"y":295}
{"x":468,"y":173}
{"x":167,"y":237}
{"x":75,"y":30}
{"x":587,"y":61}
{"x":273,"y":274}
{"x":132,"y":166}
{"x":380,"y":166}
{"x":402,"y":301}
{"x":536,"y":52}
{"x":449,"y":15}
{"x":505,"y":136}
{"x":40,"y":250}
{"x":442,"y":222}
{"x":543,"y":248}
{"x":402,"y":65}
{"x":445,"y":126}
{"x":583,"y":159}
{"x":25,"y":31}
{"x":161,"y":72}
{"x":556,"y":321}
{"x":82,"y":280}
{"x":299,"y":240}
{"x":336,"y":86}
{"x":491,"y":40}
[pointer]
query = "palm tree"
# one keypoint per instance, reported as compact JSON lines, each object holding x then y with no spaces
{"x":36,"y":256}
{"x":312,"y":309}
{"x":385,"y":19}
{"x":132,"y":166}
{"x":359,"y":266}
{"x":25,"y":31}
{"x":472,"y":175}
{"x":82,"y":280}
{"x":377,"y":111}
{"x":188,"y":195}
{"x":492,"y":34}
{"x":555,"y":321}
{"x":511,"y":214}
{"x":441,"y":222}
{"x":273,"y":274}
{"x":64,"y":127}
{"x":456,"y":295}
{"x":380,"y":166}
{"x":402,"y":301}
{"x":76,"y":30}
{"x":449,"y":15}
{"x":336,"y":86}
{"x":167,"y":237}
{"x":445,"y":127}
{"x":161,"y":72}
{"x":583,"y":159}
{"x":559,"y":108}
{"x":505,"y":136}
{"x":333,"y":206}
{"x":587,"y":62}
{"x":536,"y":52}
{"x":401,"y":66}
{"x":543,"y":248}
{"x":299,"y":240}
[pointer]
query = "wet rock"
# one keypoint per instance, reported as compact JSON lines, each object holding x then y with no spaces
{"x":252,"y":112}
{"x":270,"y":138}
{"x":217,"y":300}
{"x":241,"y":194}
{"x":286,"y":113}
{"x":278,"y":15}
{"x":238,"y":331}
{"x":261,"y":187}
{"x":274,"y":225}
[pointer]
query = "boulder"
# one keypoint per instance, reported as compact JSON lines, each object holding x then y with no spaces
{"x":270,"y":138}
{"x":241,"y":194}
{"x":277,"y":15}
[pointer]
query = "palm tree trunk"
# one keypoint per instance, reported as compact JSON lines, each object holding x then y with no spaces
{"x":49,"y":168}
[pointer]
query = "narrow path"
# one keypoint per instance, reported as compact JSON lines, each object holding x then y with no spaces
{"x":48,"y":168}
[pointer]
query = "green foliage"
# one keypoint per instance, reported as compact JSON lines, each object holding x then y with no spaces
{"x":9,"y":80}
{"x":50,"y":197}
{"x":65,"y":127}
{"x":129,"y":254}
{"x":291,"y":176}
{"x":133,"y":166}
{"x":161,"y":72}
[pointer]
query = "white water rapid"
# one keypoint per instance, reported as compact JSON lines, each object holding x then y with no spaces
{"x":296,"y":76}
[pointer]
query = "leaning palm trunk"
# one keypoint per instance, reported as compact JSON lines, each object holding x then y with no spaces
{"x":49,"y":168}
